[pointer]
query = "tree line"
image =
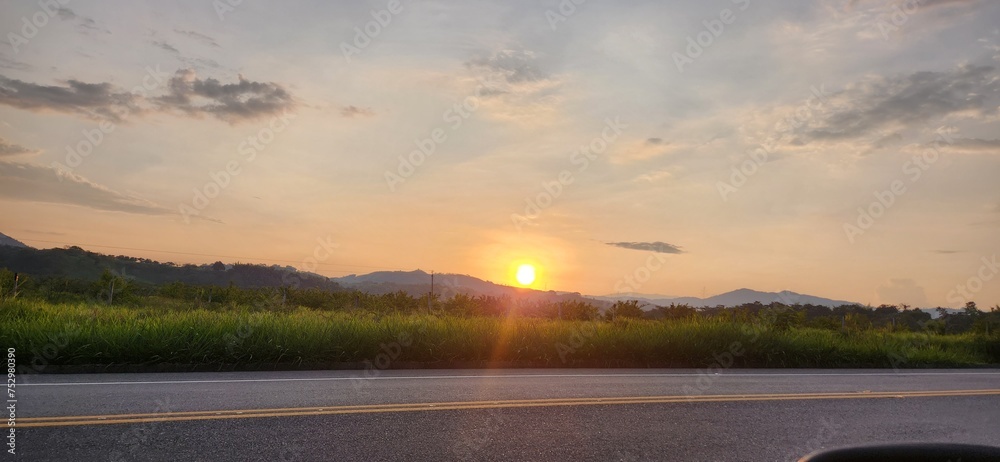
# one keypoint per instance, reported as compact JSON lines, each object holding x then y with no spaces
{"x":121,"y":290}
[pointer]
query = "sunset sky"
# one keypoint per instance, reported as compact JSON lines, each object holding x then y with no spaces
{"x":602,"y":142}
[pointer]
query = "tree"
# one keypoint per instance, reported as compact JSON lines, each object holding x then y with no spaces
{"x":218,"y":266}
{"x":972,"y":310}
{"x":112,"y":288}
{"x":574,"y":309}
{"x":624,"y":310}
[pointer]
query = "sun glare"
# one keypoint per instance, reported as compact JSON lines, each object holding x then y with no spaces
{"x":525,"y":274}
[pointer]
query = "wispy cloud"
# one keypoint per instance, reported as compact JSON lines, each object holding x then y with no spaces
{"x":354,"y":111}
{"x":975,"y":145}
{"x":83,"y":23}
{"x":199,"y":37}
{"x":165,"y":46}
{"x":29,"y":182}
{"x":878,"y":104}
{"x":10,"y":149}
{"x":13,"y":64}
{"x":659,"y":247}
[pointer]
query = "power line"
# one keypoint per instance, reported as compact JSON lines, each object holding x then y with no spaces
{"x":212,"y":255}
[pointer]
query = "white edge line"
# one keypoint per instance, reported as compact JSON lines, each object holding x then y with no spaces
{"x":505,"y":376}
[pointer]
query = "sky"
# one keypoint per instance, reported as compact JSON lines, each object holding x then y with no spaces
{"x":844,"y":148}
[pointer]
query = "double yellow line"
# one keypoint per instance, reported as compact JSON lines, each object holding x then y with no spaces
{"x":461,"y":405}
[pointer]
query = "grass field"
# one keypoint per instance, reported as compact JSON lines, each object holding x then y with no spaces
{"x":47,"y":335}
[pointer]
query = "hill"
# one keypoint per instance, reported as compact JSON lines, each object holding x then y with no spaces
{"x":78,"y":264}
{"x":735,"y":298}
{"x":446,"y":285}
{"x":8,"y":241}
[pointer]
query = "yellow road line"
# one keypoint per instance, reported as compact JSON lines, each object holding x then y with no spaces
{"x":465,"y":405}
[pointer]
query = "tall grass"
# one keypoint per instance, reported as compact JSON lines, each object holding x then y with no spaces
{"x":91,"y":334}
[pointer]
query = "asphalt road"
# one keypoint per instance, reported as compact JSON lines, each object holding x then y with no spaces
{"x":599,"y":415}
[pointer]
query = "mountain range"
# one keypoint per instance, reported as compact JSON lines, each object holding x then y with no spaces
{"x":733,"y":298}
{"x":418,"y":282}
{"x":76,"y":263}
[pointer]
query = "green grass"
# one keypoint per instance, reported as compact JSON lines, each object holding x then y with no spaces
{"x":92,"y":334}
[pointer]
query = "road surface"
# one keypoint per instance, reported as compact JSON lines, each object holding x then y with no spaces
{"x":599,"y":415}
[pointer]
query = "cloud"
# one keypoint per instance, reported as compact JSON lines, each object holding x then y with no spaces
{"x":902,"y":291}
{"x":165,"y":46}
{"x":93,"y":100}
{"x":231,"y":102}
{"x":946,"y":252}
{"x":84,"y":23}
{"x":511,"y":66}
{"x":354,"y":111}
{"x":921,"y":4}
{"x":659,"y":247}
{"x":975,"y":145}
{"x":13,"y":64}
{"x":7,"y":149}
{"x":640,"y":150}
{"x":186,"y":93}
{"x":38,"y":183}
{"x":512,"y":87}
{"x":884,"y":104}
{"x":654,"y":176}
{"x":199,"y":37}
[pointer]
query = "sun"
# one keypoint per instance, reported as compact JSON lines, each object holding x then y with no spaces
{"x":525,"y":274}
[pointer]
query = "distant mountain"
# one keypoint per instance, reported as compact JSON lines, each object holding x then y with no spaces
{"x":624,"y":296}
{"x":446,"y":285}
{"x":79,"y":264}
{"x":11,"y":242}
{"x":736,"y":298}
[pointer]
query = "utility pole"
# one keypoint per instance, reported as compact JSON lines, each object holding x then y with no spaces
{"x":431,"y":294}
{"x":111,"y":296}
{"x":17,"y":279}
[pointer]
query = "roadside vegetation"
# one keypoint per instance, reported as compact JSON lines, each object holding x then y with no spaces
{"x":179,"y":326}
